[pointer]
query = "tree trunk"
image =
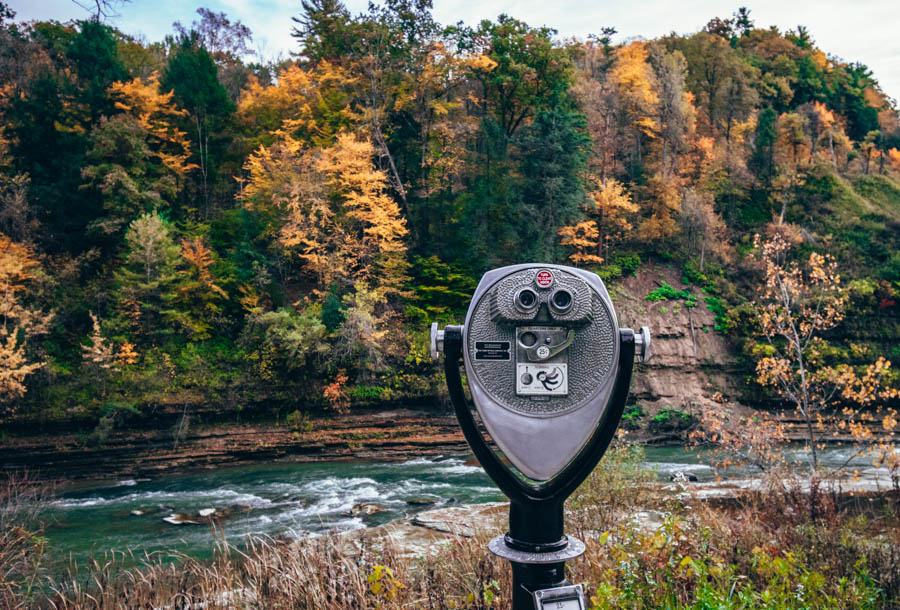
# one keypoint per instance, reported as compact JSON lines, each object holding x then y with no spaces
{"x":831,"y":147}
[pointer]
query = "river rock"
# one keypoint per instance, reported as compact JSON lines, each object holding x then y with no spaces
{"x":423,"y":501}
{"x":684,"y":476}
{"x":428,"y":531}
{"x":179,"y":519}
{"x":460,"y":520}
{"x":206,"y":512}
{"x":367,"y":508}
{"x":137,"y":513}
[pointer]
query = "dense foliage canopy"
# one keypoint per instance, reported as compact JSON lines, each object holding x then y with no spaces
{"x":181,"y":224}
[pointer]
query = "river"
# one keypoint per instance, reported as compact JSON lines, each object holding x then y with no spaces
{"x":289,"y":500}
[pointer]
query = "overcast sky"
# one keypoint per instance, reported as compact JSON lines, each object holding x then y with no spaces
{"x":861,"y":30}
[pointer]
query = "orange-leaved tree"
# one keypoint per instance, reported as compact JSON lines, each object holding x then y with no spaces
{"x":795,"y":306}
{"x":894,"y":156}
{"x":196,"y":296}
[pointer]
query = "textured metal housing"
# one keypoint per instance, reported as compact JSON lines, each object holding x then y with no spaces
{"x":540,"y":437}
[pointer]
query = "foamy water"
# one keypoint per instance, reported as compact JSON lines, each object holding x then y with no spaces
{"x":292,"y":500}
{"x":287,"y":500}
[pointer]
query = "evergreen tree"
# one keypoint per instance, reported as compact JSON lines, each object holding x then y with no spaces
{"x":145,"y":280}
{"x":764,"y":141}
{"x":193,"y":76}
{"x":552,"y":155}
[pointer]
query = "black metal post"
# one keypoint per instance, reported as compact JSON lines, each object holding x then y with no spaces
{"x":535,"y":527}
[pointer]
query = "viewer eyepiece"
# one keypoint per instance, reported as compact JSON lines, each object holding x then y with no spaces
{"x":525,"y":300}
{"x":561,"y":300}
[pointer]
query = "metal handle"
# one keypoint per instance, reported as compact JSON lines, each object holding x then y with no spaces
{"x":437,"y":341}
{"x":642,"y":342}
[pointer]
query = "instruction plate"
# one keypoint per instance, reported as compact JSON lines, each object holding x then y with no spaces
{"x":537,"y":379}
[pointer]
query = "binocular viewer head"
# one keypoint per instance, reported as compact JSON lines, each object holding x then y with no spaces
{"x":541,"y":296}
{"x":541,"y":348}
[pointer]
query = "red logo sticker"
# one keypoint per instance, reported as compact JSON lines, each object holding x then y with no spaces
{"x":544,"y":278}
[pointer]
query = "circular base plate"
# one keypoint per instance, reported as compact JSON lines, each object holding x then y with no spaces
{"x":498,"y":547}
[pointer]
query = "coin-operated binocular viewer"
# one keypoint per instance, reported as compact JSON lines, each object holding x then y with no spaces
{"x":548,"y":369}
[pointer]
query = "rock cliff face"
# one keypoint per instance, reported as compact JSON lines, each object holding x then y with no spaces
{"x":691,"y":365}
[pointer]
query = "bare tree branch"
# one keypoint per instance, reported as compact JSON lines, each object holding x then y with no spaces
{"x":101,"y":9}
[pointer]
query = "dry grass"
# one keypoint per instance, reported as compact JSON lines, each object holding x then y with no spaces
{"x":22,"y":548}
{"x":315,"y":574}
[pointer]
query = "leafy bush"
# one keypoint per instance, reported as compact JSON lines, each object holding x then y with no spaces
{"x":609,"y":272}
{"x":631,"y":417}
{"x":363,"y":393}
{"x":628,"y":262}
{"x":669,"y":418}
{"x":667,"y":293}
{"x":299,"y":421}
{"x":716,"y":306}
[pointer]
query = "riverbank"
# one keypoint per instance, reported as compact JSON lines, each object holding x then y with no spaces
{"x":382,"y":434}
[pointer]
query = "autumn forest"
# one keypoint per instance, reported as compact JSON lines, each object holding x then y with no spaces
{"x":181,"y":224}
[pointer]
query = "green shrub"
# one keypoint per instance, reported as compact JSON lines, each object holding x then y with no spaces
{"x":364,"y":393}
{"x":299,"y":421}
{"x":609,"y":272}
{"x":716,"y":306}
{"x":632,"y":416}
{"x":628,"y":262}
{"x":693,"y":275}
{"x":667,"y":293}
{"x":670,"y":418}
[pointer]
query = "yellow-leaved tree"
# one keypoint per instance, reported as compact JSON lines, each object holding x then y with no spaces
{"x":138,"y":157}
{"x":158,"y":114}
{"x":18,"y":322}
{"x":791,"y":154}
{"x":583,"y":239}
{"x":340,"y":224}
{"x":311,"y":105}
{"x":375,"y":218}
{"x":338,"y":218}
{"x":608,"y":214}
{"x":284,"y":178}
{"x":635,"y":82}
{"x":634,"y":78}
